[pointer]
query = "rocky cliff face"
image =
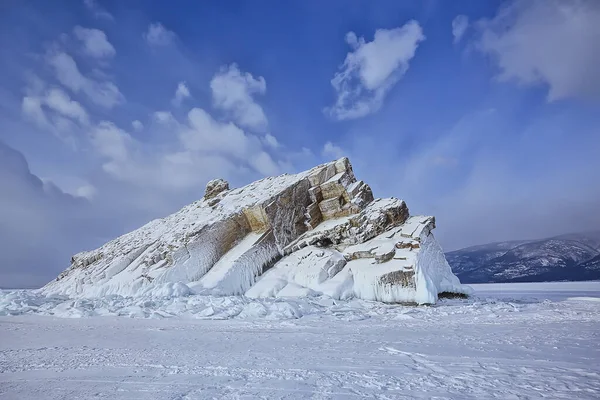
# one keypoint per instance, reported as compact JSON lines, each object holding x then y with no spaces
{"x":319,"y":232}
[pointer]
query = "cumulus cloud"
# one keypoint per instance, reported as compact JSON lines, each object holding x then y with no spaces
{"x":137,"y":125}
{"x":202,"y":144}
{"x":182,"y":92}
{"x":208,"y":134}
{"x":158,"y":35}
{"x":95,"y":43}
{"x":372,"y":69}
{"x":459,"y":27}
{"x":546,"y":42}
{"x":103,"y":93}
{"x":332,"y":151}
{"x":164,"y":117}
{"x":97,"y":11}
{"x":233,"y":92}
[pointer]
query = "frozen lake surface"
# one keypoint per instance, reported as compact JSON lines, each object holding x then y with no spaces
{"x":509,"y":341}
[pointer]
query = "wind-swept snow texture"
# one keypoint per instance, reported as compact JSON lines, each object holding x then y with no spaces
{"x":507,"y":341}
{"x":319,"y":232}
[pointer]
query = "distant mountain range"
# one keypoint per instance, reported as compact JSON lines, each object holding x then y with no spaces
{"x":571,"y":257}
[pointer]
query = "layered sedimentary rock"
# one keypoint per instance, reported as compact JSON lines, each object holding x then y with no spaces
{"x":319,"y":232}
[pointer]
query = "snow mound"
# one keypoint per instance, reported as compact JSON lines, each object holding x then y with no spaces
{"x":316,"y":233}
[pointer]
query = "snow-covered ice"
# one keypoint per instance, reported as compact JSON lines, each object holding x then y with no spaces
{"x":507,"y":341}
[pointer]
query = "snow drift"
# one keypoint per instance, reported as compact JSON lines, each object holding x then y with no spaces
{"x":319,"y":232}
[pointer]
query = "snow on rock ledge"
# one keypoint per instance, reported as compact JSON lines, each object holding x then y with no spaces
{"x":319,"y":232}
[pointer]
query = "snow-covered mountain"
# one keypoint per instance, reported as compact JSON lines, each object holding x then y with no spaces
{"x":566,"y":257}
{"x":319,"y":232}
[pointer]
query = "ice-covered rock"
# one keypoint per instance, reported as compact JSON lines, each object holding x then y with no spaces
{"x":317,"y":232}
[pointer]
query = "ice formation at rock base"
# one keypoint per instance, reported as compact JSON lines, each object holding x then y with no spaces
{"x":319,"y":232}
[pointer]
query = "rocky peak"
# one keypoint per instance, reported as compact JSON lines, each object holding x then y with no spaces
{"x":215,"y":187}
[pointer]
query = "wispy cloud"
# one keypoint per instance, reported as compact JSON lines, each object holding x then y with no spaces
{"x":97,"y":11}
{"x":102,"y":93}
{"x":546,"y":42}
{"x":53,"y":110}
{"x":460,"y":24}
{"x":372,"y":69}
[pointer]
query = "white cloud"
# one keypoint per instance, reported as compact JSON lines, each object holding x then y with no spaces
{"x":163,"y":117}
{"x":103,"y":93}
{"x":137,"y":125}
{"x":61,"y":127}
{"x":459,"y":27}
{"x":54,"y":111}
{"x":208,"y":134}
{"x":31,"y":107}
{"x":233,"y":92}
{"x":95,"y":42}
{"x":86,"y":191}
{"x":372,"y":69}
{"x":158,"y":35}
{"x":549,"y":42}
{"x":271,"y":141}
{"x":264,"y":164}
{"x":181,"y":93}
{"x":34,"y":84}
{"x":97,"y":11}
{"x":66,"y":71}
{"x":202,"y":144}
{"x":124,"y":158}
{"x":60,"y":102}
{"x":332,"y":151}
{"x":205,"y":135}
{"x":110,"y":141}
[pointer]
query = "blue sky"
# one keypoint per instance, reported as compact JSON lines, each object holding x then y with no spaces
{"x":485,"y":114}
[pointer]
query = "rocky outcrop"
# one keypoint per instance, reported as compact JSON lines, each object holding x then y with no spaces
{"x":317,"y":232}
{"x":215,"y":187}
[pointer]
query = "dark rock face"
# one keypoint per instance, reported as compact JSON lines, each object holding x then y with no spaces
{"x":402,"y":278}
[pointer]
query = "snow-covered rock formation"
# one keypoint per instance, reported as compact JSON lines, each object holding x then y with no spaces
{"x":316,"y":232}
